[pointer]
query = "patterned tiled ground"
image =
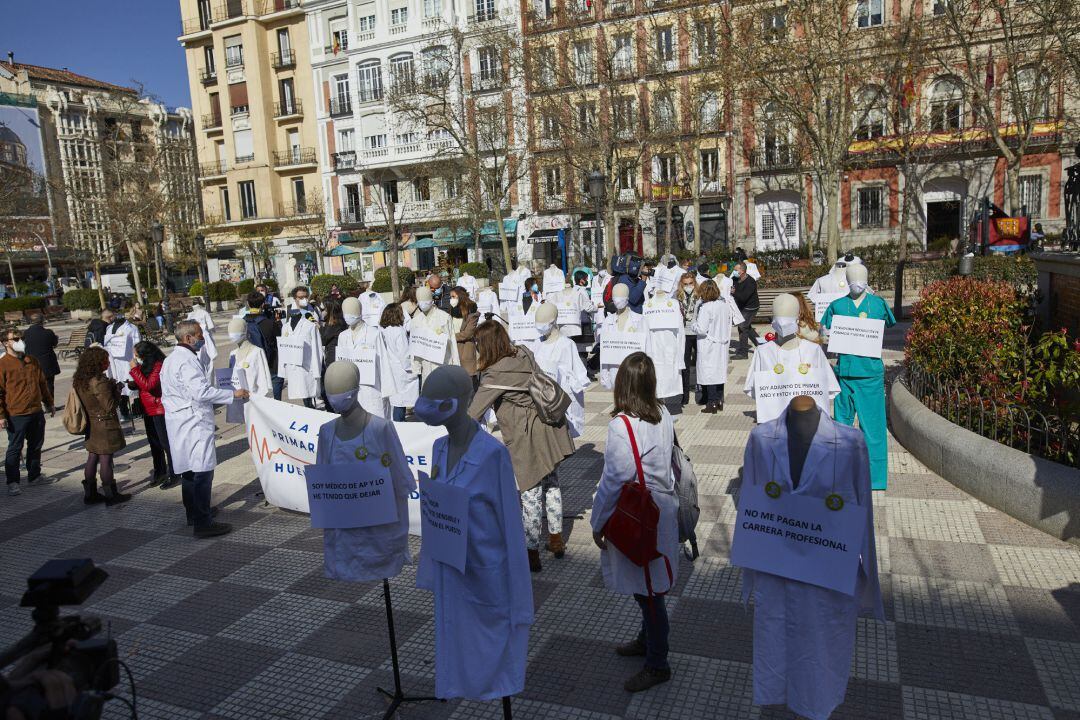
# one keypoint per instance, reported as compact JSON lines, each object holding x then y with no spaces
{"x":983,"y":613}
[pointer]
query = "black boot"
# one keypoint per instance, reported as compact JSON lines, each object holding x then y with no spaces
{"x":91,"y":496}
{"x":115,"y":497}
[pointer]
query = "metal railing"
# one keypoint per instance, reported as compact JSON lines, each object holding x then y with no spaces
{"x":340,"y":105}
{"x":211,"y":121}
{"x":245,"y":158}
{"x":214,"y":168}
{"x":231,"y":9}
{"x":345,"y":160}
{"x":295,"y":156}
{"x":282,"y":60}
{"x":483,"y":15}
{"x":1047,"y":435}
{"x":350,"y":216}
{"x":295,"y":209}
{"x":487,"y":80}
{"x":208,"y":76}
{"x":774,"y":158}
{"x":288,"y":107}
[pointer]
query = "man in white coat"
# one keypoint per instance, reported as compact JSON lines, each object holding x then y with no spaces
{"x":189,"y":399}
{"x":209,"y":352}
{"x":121,"y":337}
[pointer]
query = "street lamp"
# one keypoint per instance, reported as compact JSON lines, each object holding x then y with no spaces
{"x":597,"y":186}
{"x":157,"y":231}
{"x":200,"y":256}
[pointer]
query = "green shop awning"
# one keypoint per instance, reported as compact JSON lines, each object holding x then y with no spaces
{"x":341,"y":250}
{"x":445,"y":237}
{"x":491,"y":228}
{"x":422,"y":244}
{"x":374,"y":247}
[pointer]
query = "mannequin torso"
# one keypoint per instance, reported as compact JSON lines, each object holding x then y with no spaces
{"x":802,"y":423}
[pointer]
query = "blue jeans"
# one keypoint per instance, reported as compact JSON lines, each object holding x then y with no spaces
{"x":28,"y":430}
{"x":654,"y":631}
{"x":195,"y":490}
{"x":399,"y":414}
{"x":278,"y":384}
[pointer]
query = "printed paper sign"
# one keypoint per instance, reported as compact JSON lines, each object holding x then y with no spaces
{"x":291,"y":351}
{"x":773,"y":392}
{"x":510,"y":292}
{"x":667,"y":279}
{"x":662,"y":314}
{"x":798,"y":537}
{"x":523,"y":329}
{"x":120,"y":346}
{"x":428,"y":345}
{"x":569,"y":314}
{"x":223,"y":378}
{"x":856,"y":336}
{"x":363,"y":358}
{"x":553,"y":285}
{"x":615,"y":345}
{"x":822,"y":301}
{"x":444,"y":511}
{"x":350,"y":495}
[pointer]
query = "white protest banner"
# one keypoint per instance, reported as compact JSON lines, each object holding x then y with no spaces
{"x":445,"y":513}
{"x":799,"y":537}
{"x":773,"y":392}
{"x":283,"y":441}
{"x":822,"y":301}
{"x":523,"y":329}
{"x":856,"y":336}
{"x":427,"y":344}
{"x":291,"y":351}
{"x":120,"y":346}
{"x":615,"y":345}
{"x":568,"y":314}
{"x":510,"y":291}
{"x":662,"y":314}
{"x":350,"y":495}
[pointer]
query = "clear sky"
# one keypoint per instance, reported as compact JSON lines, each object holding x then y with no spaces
{"x":119,"y":41}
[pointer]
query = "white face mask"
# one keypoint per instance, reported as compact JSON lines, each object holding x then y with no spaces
{"x":544,"y":329}
{"x":352,"y":320}
{"x":425,"y":305}
{"x":689,"y":288}
{"x":856,"y":288}
{"x":454,"y":302}
{"x":18,"y":346}
{"x":237,"y":337}
{"x":620,"y":303}
{"x":785,"y":326}
{"x":301,"y":302}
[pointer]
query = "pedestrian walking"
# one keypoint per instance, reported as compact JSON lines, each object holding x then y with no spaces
{"x":24,"y":391}
{"x":393,"y":322}
{"x":189,"y":399}
{"x":41,"y":345}
{"x":713,"y":327}
{"x":100,"y":396}
{"x":745,"y":293}
{"x":689,"y":303}
{"x":536,"y":448}
{"x":146,"y":377}
{"x":640,"y":439}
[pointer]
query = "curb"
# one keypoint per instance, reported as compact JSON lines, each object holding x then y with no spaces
{"x":1035,"y":491}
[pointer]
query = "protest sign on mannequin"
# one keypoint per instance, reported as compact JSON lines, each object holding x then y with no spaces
{"x":856,"y":336}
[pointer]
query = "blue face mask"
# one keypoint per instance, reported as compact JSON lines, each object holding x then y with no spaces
{"x":734,"y":273}
{"x":342,"y":402}
{"x":534,"y":288}
{"x":199,"y":344}
{"x":435,"y":411}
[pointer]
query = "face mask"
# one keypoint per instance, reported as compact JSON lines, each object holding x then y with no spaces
{"x":688,"y":288}
{"x":620,"y":302}
{"x":199,"y":344}
{"x":785,"y":326}
{"x":236,"y":337}
{"x":534,"y":288}
{"x":454,"y":302}
{"x":857,"y":288}
{"x":342,"y":402}
{"x":734,"y":273}
{"x":302,"y":302}
{"x":544,"y":329}
{"x":425,"y":305}
{"x":18,"y":346}
{"x":434,"y":411}
{"x":352,"y":320}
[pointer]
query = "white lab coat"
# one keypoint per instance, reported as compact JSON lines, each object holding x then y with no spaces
{"x":120,"y":343}
{"x":655,"y":443}
{"x":189,"y":398}
{"x":250,"y":370}
{"x":752,"y":270}
{"x":401,"y":365}
{"x":439,"y":322}
{"x":713,"y":328}
{"x":373,"y":398}
{"x":724,"y":283}
{"x":635,"y":322}
{"x":770,"y":356}
{"x":804,"y":635}
{"x":667,"y":349}
{"x":482,"y":617}
{"x":209,"y":351}
{"x":468,"y":283}
{"x":560,"y":360}
{"x":371,"y":308}
{"x":553,"y":276}
{"x":834,"y":282}
{"x":379,"y":551}
{"x":304,"y":380}
{"x":577,"y":299}
{"x":487,"y":301}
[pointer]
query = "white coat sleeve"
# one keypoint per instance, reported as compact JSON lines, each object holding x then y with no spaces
{"x":315,"y":367}
{"x":870,"y":589}
{"x":389,"y":368}
{"x":619,"y":467}
{"x":577,"y":376}
{"x":198,"y":386}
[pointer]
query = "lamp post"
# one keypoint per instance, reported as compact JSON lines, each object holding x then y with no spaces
{"x":200,"y":255}
{"x":597,"y":186}
{"x":158,"y":232}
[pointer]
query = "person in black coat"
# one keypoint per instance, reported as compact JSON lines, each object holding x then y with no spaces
{"x":95,"y":331}
{"x":744,"y":290}
{"x":41,"y":345}
{"x":262,"y":316}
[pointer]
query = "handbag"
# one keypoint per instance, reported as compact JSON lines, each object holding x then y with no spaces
{"x":632,"y":528}
{"x":549,"y":399}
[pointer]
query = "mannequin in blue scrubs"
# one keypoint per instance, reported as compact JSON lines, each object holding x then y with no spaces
{"x":862,"y":379}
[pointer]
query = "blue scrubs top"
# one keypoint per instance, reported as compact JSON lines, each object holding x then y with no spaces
{"x":872,"y":307}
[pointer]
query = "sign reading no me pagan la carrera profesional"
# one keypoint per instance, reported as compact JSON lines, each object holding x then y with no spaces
{"x":283,"y":440}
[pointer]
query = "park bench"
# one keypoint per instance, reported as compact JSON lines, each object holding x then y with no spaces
{"x":13,"y":316}
{"x":74,"y":345}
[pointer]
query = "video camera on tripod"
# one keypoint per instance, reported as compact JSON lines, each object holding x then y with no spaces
{"x":65,"y":643}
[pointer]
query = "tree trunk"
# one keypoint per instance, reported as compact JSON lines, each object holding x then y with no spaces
{"x":667,"y":224}
{"x":1012,"y":185}
{"x":695,"y":246}
{"x":135,"y":272}
{"x":502,"y":237}
{"x":832,"y":218}
{"x":392,"y":246}
{"x":11,"y":271}
{"x":905,"y":214}
{"x":609,"y":228}
{"x":100,"y":287}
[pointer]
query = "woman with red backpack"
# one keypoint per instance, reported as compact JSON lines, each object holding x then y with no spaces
{"x":635,"y":513}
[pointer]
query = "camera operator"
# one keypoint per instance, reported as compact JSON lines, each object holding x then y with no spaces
{"x":34,"y":692}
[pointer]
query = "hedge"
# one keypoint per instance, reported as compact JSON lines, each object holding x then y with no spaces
{"x":406,"y":277}
{"x":196,"y":289}
{"x":320,"y":284}
{"x":222,"y":290}
{"x":32,"y":288}
{"x":21,"y":303}
{"x":245,"y":286}
{"x":82,"y":299}
{"x":476,"y":269}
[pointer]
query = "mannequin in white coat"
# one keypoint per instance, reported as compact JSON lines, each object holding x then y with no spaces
{"x":667,"y":348}
{"x":250,"y":370}
{"x":357,"y":343}
{"x":438,"y":322}
{"x":624,"y":320}
{"x":712,"y":324}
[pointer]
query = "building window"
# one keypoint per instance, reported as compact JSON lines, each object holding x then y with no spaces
{"x":399,"y":17}
{"x":1033,"y":95}
{"x":549,"y":125}
{"x":1031,"y":194}
{"x":450,"y":187}
{"x":553,"y":181}
{"x":485,"y":10}
{"x":870,"y":113}
{"x":406,"y":138}
{"x":352,"y":200}
{"x":774,"y":26}
{"x":367,"y":24}
{"x":940,"y":7}
{"x":586,"y":117}
{"x":871,"y":13}
{"x":339,"y":37}
{"x":583,"y":63}
{"x":624,"y":53}
{"x":665,"y":44}
{"x":545,"y":66}
{"x":421,"y":189}
{"x":340,"y":100}
{"x":436,"y":67}
{"x":208,"y":57}
{"x":627,"y":177}
{"x":710,"y":166}
{"x":284,"y":45}
{"x":345,"y":140}
{"x":244,"y":145}
{"x":389,"y":191}
{"x":234,"y":52}
{"x":664,"y":170}
{"x":370,"y":75}
{"x":226,"y":209}
{"x":488,"y":60}
{"x":664,"y":112}
{"x":401,"y":73}
{"x":299,"y":195}
{"x":248,"y":207}
{"x":947,"y":105}
{"x":288,"y":97}
{"x":623,"y":110}
{"x":704,"y":40}
{"x":709,"y":106}
{"x":432,"y":8}
{"x":375,"y":142}
{"x":871,"y":207}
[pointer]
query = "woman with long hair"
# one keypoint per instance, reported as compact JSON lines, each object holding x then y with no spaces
{"x":465,"y":318}
{"x":640,"y":419}
{"x":333,"y":325}
{"x":809,"y":329}
{"x":713,"y":327}
{"x":100,"y":398}
{"x":146,"y":377}
{"x":689,"y":304}
{"x":536,"y":448}
{"x":408,"y":301}
{"x":396,"y":338}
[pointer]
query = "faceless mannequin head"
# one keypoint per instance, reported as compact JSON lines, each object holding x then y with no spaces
{"x":238,"y":331}
{"x":856,"y":279}
{"x":425,"y":300}
{"x":785,"y":310}
{"x":451,"y":382}
{"x":350,"y":308}
{"x":342,"y":384}
{"x":620,"y":295}
{"x":785,"y":306}
{"x":546,"y":315}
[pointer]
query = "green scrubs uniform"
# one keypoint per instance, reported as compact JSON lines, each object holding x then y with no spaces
{"x":862,"y":385}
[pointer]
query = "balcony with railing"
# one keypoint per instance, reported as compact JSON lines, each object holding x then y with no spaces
{"x":350,"y":216}
{"x":250,"y":157}
{"x":208,"y":76}
{"x":231,"y":10}
{"x":283,"y":60}
{"x":484,"y":15}
{"x":294,"y":157}
{"x":344,"y":160}
{"x":340,"y":105}
{"x":370,"y":92}
{"x":408,"y":148}
{"x":212,"y":169}
{"x":619,"y":8}
{"x":190,"y":26}
{"x":288,"y":108}
{"x":267,"y":7}
{"x":211,"y":121}
{"x":774,"y":157}
{"x":487,"y":80}
{"x":375,"y":152}
{"x":295,"y":209}
{"x":399,"y":28}
{"x":554,"y":202}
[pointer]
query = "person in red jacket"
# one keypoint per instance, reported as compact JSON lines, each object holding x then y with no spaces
{"x":146,"y":377}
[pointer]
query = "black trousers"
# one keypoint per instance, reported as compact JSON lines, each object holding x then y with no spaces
{"x":746,"y":331}
{"x":712,"y":393}
{"x":158,"y":436}
{"x":690,"y":360}
{"x":195,"y":490}
{"x":26,"y":430}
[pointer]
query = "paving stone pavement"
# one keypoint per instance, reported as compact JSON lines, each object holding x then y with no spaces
{"x":983,"y":613}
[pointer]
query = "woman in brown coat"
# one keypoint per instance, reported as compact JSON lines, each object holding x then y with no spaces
{"x":536,"y":448}
{"x":465,"y":318}
{"x":100,"y":398}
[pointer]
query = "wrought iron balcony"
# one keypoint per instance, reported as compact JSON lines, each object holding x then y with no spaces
{"x":340,"y":105}
{"x":295,"y":209}
{"x":350,"y":216}
{"x":294,"y":156}
{"x":211,"y":121}
{"x":245,"y":158}
{"x":288,"y":108}
{"x":282,"y":60}
{"x":778,"y":157}
{"x":215,"y":168}
{"x":345,"y":160}
{"x":487,"y":80}
{"x":484,"y":15}
{"x":208,"y":76}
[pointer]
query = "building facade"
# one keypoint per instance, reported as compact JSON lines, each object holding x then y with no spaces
{"x":253,"y":99}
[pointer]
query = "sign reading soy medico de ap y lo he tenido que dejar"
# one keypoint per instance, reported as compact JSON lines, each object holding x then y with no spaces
{"x":350,"y":495}
{"x":810,"y":539}
{"x":856,"y":336}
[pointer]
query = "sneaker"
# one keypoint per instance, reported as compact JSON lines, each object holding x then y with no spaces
{"x":634,"y":648}
{"x":42,"y":480}
{"x":647,"y":678}
{"x":14,"y":489}
{"x":170,"y":482}
{"x":212,"y":530}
